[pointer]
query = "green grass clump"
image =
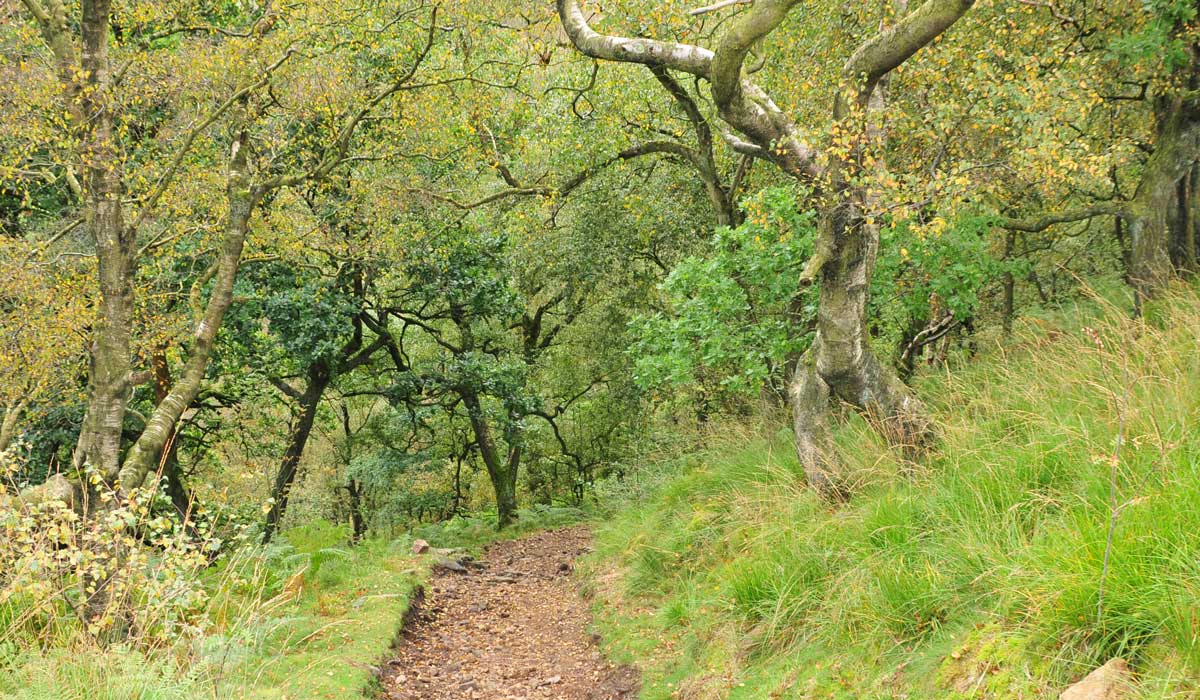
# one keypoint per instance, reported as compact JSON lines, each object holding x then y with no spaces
{"x":472,"y":532}
{"x":343,"y":608}
{"x":90,"y":674}
{"x":982,"y":574}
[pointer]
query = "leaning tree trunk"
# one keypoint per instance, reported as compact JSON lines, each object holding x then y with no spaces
{"x":242,"y":198}
{"x":310,"y":400}
{"x":501,"y":472}
{"x":175,"y":488}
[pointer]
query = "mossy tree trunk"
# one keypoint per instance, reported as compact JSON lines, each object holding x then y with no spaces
{"x":1153,"y":216}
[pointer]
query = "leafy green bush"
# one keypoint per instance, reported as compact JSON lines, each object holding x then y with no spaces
{"x":734,"y":312}
{"x":737,"y":316}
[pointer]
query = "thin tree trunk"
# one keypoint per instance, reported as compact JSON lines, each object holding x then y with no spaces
{"x":354,"y":488}
{"x":358,"y":523}
{"x":242,"y":199}
{"x":1008,"y":305}
{"x":456,"y":504}
{"x":1126,"y":253}
{"x":310,"y":399}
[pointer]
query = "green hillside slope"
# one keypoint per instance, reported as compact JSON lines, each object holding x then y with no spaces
{"x":980,"y":573}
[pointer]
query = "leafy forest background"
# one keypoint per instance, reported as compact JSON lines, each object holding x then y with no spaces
{"x":400,"y":265}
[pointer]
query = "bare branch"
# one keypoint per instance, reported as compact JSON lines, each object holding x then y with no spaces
{"x":569,"y":184}
{"x":287,"y":389}
{"x":896,"y":43}
{"x":741,"y":145}
{"x":747,"y":107}
{"x":164,"y":180}
{"x":650,"y":52}
{"x":335,"y":155}
{"x":1045,"y":222}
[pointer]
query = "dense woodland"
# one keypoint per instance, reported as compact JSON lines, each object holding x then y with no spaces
{"x":393,"y":264}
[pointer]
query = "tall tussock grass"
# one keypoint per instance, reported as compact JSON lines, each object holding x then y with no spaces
{"x":1055,"y":525}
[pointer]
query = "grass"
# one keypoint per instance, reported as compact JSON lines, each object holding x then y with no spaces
{"x":306,"y":618}
{"x":981,"y":575}
{"x":348,"y":607}
{"x":471,"y":533}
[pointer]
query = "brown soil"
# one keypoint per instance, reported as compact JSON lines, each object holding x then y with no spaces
{"x":510,"y":628}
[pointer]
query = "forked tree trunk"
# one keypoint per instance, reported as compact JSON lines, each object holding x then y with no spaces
{"x":841,"y":363}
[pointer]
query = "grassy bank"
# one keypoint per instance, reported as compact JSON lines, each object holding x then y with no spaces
{"x":305,"y":618}
{"x":981,"y":573}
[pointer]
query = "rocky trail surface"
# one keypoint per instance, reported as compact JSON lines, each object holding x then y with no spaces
{"x":511,"y":627}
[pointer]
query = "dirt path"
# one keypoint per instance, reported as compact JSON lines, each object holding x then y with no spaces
{"x":513,"y":628}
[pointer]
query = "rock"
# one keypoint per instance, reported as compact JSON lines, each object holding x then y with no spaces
{"x":447,"y":564}
{"x":420,"y":547}
{"x":55,"y":488}
{"x":1112,"y":681}
{"x":549,"y":681}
